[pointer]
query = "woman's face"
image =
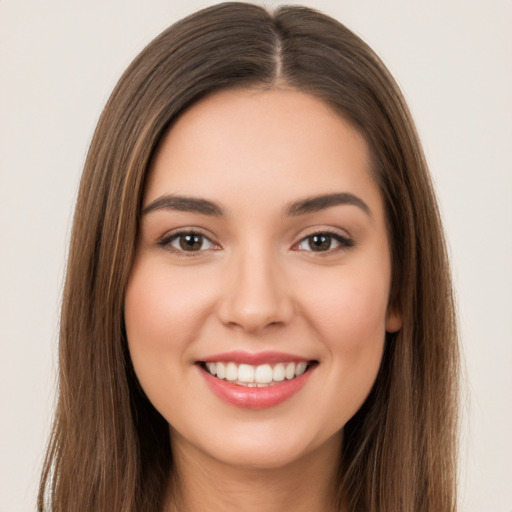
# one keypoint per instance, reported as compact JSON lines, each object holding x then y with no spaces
{"x":263,"y":251}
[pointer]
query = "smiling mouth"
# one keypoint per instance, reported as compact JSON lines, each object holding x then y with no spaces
{"x":261,"y":376}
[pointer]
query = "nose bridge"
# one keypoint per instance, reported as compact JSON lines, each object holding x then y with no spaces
{"x":257,"y":296}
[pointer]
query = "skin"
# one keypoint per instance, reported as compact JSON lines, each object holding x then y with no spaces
{"x":256,"y":285}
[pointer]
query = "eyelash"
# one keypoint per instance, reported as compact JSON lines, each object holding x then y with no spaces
{"x":344,"y":242}
{"x":166,"y":242}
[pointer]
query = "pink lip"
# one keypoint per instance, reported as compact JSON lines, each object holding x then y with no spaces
{"x":255,"y":398}
{"x":240,"y":357}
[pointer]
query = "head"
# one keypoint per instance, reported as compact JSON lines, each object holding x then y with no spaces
{"x":120,"y":443}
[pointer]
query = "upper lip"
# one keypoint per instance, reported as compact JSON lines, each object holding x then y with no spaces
{"x":257,"y":358}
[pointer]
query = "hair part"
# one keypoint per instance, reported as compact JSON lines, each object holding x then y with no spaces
{"x":110,"y":448}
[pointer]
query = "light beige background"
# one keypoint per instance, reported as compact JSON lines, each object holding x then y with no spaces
{"x":58,"y":63}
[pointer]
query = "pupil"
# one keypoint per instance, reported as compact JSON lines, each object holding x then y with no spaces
{"x":320,"y":242}
{"x":191,"y":242}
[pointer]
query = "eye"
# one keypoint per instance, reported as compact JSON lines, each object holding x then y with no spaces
{"x":188,"y":242}
{"x":324,"y":242}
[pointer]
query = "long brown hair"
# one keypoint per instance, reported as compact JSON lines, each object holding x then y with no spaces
{"x":110,"y":449}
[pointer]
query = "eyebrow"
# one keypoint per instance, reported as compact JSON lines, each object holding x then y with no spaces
{"x":184,"y":204}
{"x":318,"y":203}
{"x":301,"y":207}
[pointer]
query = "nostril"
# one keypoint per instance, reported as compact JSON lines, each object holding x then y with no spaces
{"x":256,"y":297}
{"x":256,"y":317}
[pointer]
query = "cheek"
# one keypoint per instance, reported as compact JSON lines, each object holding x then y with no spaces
{"x":354,"y":333}
{"x":350,"y":320}
{"x":162,"y":316}
{"x":351,"y":310}
{"x":163,"y":311}
{"x":160,"y":308}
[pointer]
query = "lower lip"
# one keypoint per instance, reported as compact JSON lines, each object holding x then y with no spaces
{"x":255,"y":398}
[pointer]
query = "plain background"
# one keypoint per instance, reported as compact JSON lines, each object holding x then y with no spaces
{"x":59,"y":60}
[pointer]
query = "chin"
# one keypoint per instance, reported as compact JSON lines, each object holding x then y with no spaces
{"x":263,"y":446}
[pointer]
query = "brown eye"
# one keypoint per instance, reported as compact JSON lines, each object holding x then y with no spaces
{"x":319,"y":242}
{"x":188,"y":242}
{"x":324,"y":242}
{"x":191,"y":242}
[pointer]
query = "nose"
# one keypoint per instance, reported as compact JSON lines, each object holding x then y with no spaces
{"x":256,"y":295}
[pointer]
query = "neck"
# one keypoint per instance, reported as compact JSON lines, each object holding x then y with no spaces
{"x":203,"y":484}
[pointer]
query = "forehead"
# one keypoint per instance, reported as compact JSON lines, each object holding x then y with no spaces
{"x":252,"y":143}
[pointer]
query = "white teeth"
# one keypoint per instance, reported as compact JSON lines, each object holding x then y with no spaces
{"x":289,"y":372}
{"x":231,"y":371}
{"x":246,"y":373}
{"x":278,"y":372}
{"x":300,"y":369}
{"x":263,"y":374}
{"x":221,"y":370}
{"x":252,"y":376}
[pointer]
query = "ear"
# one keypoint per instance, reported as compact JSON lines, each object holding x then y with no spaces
{"x":394,"y":320}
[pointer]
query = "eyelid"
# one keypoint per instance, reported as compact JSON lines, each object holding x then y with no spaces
{"x":165,"y":240}
{"x":346,"y":242}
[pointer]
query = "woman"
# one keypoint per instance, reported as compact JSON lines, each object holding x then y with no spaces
{"x":258,"y":309}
